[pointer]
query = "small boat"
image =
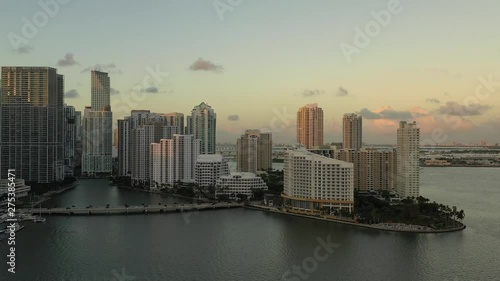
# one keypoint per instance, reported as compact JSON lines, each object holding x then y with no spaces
{"x":39,"y":219}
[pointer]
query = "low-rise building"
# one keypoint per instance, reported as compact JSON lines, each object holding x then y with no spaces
{"x":209,"y":168}
{"x":239,"y":183}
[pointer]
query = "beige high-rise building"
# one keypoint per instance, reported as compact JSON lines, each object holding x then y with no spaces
{"x":310,"y":126}
{"x":373,"y":168}
{"x":408,"y":175}
{"x":255,"y":151}
{"x":352,"y":131}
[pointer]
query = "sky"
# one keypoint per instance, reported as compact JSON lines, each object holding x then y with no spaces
{"x":256,"y":62}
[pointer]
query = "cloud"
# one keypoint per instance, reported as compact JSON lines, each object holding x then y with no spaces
{"x":111,"y":68}
{"x":206,"y":65}
{"x":454,"y":109}
{"x":311,"y":93}
{"x":385,"y":113}
{"x":24,"y":49}
{"x":435,"y":101}
{"x":342,"y":92}
{"x":68,"y":60}
{"x":233,"y":117}
{"x":114,"y":91}
{"x":71,"y":94}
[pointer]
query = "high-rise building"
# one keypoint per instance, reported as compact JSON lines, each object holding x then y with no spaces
{"x":32,"y":120}
{"x":315,"y":183}
{"x":408,"y":171}
{"x":140,"y":140}
{"x":100,"y":91}
{"x":97,"y":129}
{"x":123,"y":147}
{"x":255,"y":151}
{"x":174,"y":119}
{"x":173,"y":160}
{"x":202,"y":124}
{"x":209,"y":168}
{"x":78,"y":143}
{"x":352,"y":131}
{"x":373,"y":168}
{"x":310,"y":126}
{"x":165,"y":126}
{"x":69,"y":140}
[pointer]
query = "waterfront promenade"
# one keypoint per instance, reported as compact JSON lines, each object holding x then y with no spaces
{"x":116,"y":210}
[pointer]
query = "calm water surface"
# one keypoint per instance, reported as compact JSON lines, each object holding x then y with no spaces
{"x":242,"y":244}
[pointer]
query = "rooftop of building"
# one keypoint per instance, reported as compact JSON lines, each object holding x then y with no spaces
{"x":243,"y":175}
{"x":210,"y":158}
{"x":324,"y":160}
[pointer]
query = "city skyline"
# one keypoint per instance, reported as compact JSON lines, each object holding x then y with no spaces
{"x":434,"y":86}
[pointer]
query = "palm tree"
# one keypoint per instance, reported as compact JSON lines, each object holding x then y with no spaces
{"x":461,"y":215}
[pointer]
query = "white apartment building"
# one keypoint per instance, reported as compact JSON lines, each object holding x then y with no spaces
{"x":173,"y":160}
{"x":313,"y":183}
{"x":209,"y":168}
{"x":166,"y":125}
{"x":239,"y":183}
{"x":408,"y":170}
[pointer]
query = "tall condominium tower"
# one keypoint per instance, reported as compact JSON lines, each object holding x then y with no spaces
{"x":173,"y":160}
{"x":163,"y":126}
{"x":352,"y":131}
{"x":373,"y":168}
{"x":254,"y":151}
{"x":31,"y":121}
{"x":408,"y":172}
{"x":70,"y":126}
{"x":97,"y":129}
{"x":100,"y":91}
{"x":174,"y":119}
{"x":202,"y":124}
{"x":310,"y":126}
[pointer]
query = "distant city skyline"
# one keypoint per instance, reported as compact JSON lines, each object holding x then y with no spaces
{"x":416,"y":69}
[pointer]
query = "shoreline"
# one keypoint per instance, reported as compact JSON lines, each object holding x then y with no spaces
{"x":161,"y":193}
{"x":369,"y":226}
{"x":462,"y":166}
{"x":48,"y":195}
